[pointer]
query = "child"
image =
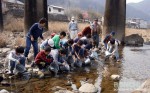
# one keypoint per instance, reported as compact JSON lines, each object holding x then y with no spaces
{"x":47,"y":42}
{"x":63,"y":65}
{"x":43,"y":58}
{"x":57,"y":38}
{"x":108,"y":38}
{"x":32,"y":36}
{"x":16,"y":60}
{"x":112,"y":48}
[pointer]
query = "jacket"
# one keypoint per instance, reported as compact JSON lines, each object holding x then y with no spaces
{"x":42,"y":57}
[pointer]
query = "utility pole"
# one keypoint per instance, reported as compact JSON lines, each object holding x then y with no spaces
{"x":1,"y":17}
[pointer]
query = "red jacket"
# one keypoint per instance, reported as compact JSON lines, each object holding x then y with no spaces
{"x":42,"y":57}
{"x":86,"y":30}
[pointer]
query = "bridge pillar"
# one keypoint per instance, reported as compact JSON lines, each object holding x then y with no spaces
{"x":1,"y":17}
{"x":34,"y":10}
{"x":114,"y":18}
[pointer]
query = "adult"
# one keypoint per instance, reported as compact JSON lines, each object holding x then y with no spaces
{"x":32,"y":36}
{"x":73,"y":28}
{"x":96,"y":32}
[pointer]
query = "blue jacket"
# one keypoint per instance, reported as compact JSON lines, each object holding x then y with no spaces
{"x":35,"y":31}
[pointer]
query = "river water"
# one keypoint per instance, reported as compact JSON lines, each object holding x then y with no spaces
{"x":134,"y":70}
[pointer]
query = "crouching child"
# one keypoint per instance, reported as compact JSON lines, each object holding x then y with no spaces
{"x":112,"y":48}
{"x":62,"y":61}
{"x":43,"y":60}
{"x":16,"y":64}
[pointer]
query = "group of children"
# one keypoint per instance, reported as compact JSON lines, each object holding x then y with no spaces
{"x":58,"y":53}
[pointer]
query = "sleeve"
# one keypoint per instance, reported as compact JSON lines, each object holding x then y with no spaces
{"x":69,"y":26}
{"x":108,"y":46}
{"x":42,"y":45}
{"x":116,"y":47}
{"x":105,"y":39}
{"x":41,"y":36}
{"x":33,"y":28}
{"x":10,"y":57}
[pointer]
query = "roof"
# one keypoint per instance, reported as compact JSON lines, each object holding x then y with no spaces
{"x":56,"y":6}
{"x":14,"y":1}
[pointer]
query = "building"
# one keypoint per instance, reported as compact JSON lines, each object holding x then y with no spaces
{"x":55,"y":10}
{"x":136,"y":23}
{"x":11,"y":4}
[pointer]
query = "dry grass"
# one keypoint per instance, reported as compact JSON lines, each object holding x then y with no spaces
{"x":19,"y":42}
{"x":145,"y":33}
{"x":63,"y":26}
{"x":13,"y":24}
{"x":3,"y":41}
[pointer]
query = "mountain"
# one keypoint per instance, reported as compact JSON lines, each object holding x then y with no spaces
{"x":142,"y":6}
{"x":134,"y":10}
{"x":96,"y":5}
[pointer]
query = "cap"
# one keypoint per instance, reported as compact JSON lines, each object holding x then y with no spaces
{"x":51,"y":42}
{"x":112,"y":33}
{"x":53,"y":34}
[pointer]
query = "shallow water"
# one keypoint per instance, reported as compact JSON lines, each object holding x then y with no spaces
{"x":134,"y":70}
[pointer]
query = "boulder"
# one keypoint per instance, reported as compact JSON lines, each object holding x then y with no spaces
{"x":144,"y":88}
{"x":134,"y":40}
{"x":88,"y":88}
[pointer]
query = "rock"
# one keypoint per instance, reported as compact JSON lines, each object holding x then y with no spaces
{"x":40,"y":74}
{"x":63,"y":91}
{"x":5,"y":50}
{"x":57,"y":88}
{"x":144,"y":88}
{"x":30,"y":57}
{"x":147,"y":43}
{"x":88,"y":88}
{"x":4,"y":91}
{"x":115,"y":77}
{"x":134,"y":40}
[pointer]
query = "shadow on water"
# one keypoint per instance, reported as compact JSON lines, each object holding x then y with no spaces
{"x":133,"y":69}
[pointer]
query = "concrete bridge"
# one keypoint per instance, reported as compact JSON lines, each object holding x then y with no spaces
{"x":114,"y":18}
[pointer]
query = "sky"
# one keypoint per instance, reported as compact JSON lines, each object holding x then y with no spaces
{"x":133,"y":1}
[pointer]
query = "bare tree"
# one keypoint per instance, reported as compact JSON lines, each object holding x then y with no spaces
{"x":114,"y":18}
{"x":1,"y":17}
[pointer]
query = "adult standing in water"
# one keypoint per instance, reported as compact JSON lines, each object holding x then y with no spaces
{"x":73,"y":28}
{"x":32,"y":36}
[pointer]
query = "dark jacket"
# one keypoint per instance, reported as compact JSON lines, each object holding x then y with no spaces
{"x":35,"y":31}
